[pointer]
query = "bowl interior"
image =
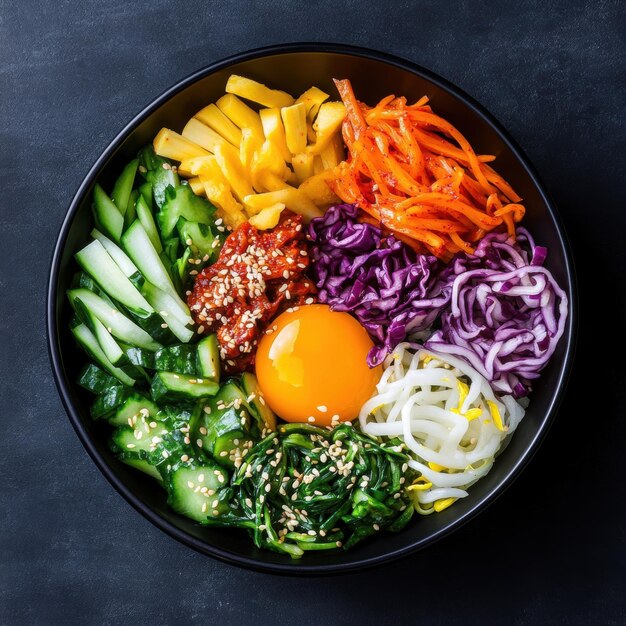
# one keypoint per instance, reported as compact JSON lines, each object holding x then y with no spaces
{"x":295,"y":71}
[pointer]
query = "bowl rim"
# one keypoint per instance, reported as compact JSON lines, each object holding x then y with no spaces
{"x":63,"y":384}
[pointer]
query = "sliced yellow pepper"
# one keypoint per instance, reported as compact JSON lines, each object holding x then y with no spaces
{"x":440,"y":505}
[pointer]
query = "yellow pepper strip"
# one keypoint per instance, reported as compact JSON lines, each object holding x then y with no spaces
{"x":472,"y":414}
{"x":420,"y":484}
{"x":463,"y":391}
{"x":436,"y":467}
{"x":495,"y":415}
{"x":440,"y":505}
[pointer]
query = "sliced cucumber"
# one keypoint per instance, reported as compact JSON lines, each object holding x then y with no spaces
{"x":209,"y":358}
{"x":169,"y":386}
{"x":107,"y":402}
{"x":225,"y":414}
{"x":97,"y":262}
{"x":153,"y":325}
{"x":141,"y":357}
{"x":108,"y":218}
{"x":170,"y":249}
{"x":110,"y":347}
{"x":182,"y":267}
{"x":146,"y":193}
{"x":181,"y":332}
{"x":160,"y":177}
{"x":264,"y":416}
{"x":186,"y":493}
{"x":131,"y":210}
{"x":199,"y":236}
{"x":124,"y":185}
{"x":231,"y":395}
{"x":180,"y":202}
{"x":229,"y":446}
{"x":140,"y":249}
{"x":179,"y":359}
{"x":162,"y":301}
{"x":116,"y":253}
{"x":142,"y":465}
{"x":117,"y":323}
{"x":125,"y":440}
{"x":87,"y":282}
{"x":96,"y":380}
{"x":134,"y":404}
{"x":169,"y":312}
{"x":90,"y":344}
{"x":144,"y":214}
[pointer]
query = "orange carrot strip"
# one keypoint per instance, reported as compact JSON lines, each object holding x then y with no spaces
{"x":419,"y":177}
{"x":354,"y":113}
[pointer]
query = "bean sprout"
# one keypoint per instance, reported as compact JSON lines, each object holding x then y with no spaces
{"x":448,"y":416}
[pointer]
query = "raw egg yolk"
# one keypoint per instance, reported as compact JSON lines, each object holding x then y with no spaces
{"x":311,"y":366}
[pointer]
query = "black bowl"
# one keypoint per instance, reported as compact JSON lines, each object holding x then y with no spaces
{"x":295,"y":68}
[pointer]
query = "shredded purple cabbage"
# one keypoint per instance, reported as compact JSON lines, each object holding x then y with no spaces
{"x":497,"y":309}
{"x":390,"y":289}
{"x":506,"y":314}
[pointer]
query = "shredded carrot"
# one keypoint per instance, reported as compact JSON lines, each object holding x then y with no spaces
{"x":415,"y":174}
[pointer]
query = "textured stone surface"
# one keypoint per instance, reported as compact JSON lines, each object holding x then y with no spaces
{"x":72,"y":551}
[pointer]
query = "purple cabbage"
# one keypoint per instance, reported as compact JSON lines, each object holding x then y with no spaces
{"x":498,"y":309}
{"x":506,"y":314}
{"x":390,"y":289}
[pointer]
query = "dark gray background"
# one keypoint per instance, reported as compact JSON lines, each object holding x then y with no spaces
{"x":551,"y":550}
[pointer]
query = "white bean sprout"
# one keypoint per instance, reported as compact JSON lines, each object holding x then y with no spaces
{"x":447,"y":415}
